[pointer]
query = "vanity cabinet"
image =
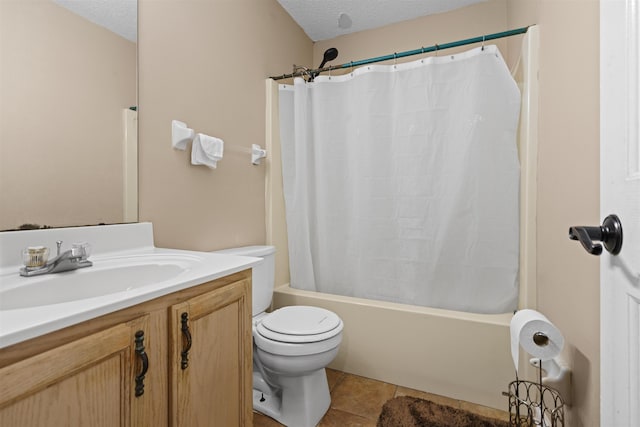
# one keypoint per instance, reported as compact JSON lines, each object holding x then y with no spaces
{"x":86,"y":382}
{"x":85,"y":375}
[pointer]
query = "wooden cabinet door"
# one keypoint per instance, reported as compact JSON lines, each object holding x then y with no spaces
{"x":87,"y":382}
{"x":210,"y":360}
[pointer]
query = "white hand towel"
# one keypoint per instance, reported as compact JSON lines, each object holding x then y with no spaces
{"x":206,"y":150}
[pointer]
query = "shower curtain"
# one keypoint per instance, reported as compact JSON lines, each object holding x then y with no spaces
{"x":401,"y":182}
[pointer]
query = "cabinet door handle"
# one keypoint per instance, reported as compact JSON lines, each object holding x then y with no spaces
{"x":145,"y":363}
{"x":186,"y":336}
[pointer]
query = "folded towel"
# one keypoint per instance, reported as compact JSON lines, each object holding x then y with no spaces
{"x":206,"y":150}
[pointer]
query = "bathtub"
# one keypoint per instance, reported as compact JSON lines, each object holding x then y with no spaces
{"x":465,"y":356}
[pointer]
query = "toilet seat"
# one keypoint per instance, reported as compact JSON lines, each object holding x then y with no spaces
{"x":300,"y":324}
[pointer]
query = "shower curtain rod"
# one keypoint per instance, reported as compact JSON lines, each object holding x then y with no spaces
{"x":434,"y":48}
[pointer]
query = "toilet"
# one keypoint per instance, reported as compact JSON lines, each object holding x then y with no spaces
{"x":291,"y":348}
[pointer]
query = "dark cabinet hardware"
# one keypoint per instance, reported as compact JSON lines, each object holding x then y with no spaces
{"x":186,"y":341}
{"x":142,"y":355}
{"x":609,"y":233}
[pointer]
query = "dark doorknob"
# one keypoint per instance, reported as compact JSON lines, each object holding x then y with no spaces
{"x":609,"y":233}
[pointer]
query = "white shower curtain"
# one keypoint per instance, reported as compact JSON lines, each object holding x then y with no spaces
{"x":401,"y":182}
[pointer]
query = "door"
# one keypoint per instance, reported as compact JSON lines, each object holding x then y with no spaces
{"x":210,"y":362}
{"x":620,"y":194}
{"x":87,"y":382}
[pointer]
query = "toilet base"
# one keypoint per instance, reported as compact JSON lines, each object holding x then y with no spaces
{"x":301,"y":401}
{"x":267,"y":404}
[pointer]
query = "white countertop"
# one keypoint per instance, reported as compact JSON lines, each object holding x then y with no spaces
{"x":27,"y":320}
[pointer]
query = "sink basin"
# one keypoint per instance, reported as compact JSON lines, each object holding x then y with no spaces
{"x":107,"y":276}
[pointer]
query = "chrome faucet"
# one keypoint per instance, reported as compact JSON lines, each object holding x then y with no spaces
{"x":72,"y":259}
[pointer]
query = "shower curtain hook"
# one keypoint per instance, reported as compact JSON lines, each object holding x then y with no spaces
{"x":395,"y":59}
{"x":351,"y":63}
{"x":330,"y":68}
{"x":482,"y":43}
{"x":437,"y":47}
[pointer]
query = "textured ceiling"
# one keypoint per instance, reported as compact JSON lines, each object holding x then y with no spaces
{"x":326,"y":19}
{"x":320,"y":19}
{"x":119,"y":16}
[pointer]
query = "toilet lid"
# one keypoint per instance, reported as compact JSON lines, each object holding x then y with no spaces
{"x":299,"y":324}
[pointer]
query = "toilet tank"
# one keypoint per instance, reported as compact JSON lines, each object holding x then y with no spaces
{"x":263,"y":274}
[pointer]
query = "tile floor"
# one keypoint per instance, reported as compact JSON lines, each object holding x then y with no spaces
{"x":357,"y":402}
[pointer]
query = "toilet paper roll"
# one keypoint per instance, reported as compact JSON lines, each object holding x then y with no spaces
{"x":526,"y":325}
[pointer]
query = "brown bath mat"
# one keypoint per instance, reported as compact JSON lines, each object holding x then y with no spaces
{"x":406,"y":411}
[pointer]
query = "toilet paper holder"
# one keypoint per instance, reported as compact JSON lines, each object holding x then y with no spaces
{"x":558,"y":376}
{"x":541,"y":401}
{"x":541,"y":339}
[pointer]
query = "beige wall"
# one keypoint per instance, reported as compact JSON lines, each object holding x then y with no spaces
{"x":568,"y":183}
{"x":64,"y":85}
{"x":204,"y":63}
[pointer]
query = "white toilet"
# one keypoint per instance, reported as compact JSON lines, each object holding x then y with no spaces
{"x":291,"y":348}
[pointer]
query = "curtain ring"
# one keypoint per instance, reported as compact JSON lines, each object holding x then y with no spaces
{"x":395,"y":59}
{"x":351,"y":63}
{"x":330,"y":68}
{"x":437,"y":47}
{"x":482,"y":43}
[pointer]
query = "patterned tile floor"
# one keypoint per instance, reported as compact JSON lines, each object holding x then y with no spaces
{"x":357,"y":402}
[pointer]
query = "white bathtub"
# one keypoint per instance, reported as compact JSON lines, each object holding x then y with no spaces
{"x":460,"y":355}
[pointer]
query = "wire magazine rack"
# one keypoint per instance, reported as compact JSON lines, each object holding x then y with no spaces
{"x":534,"y":404}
